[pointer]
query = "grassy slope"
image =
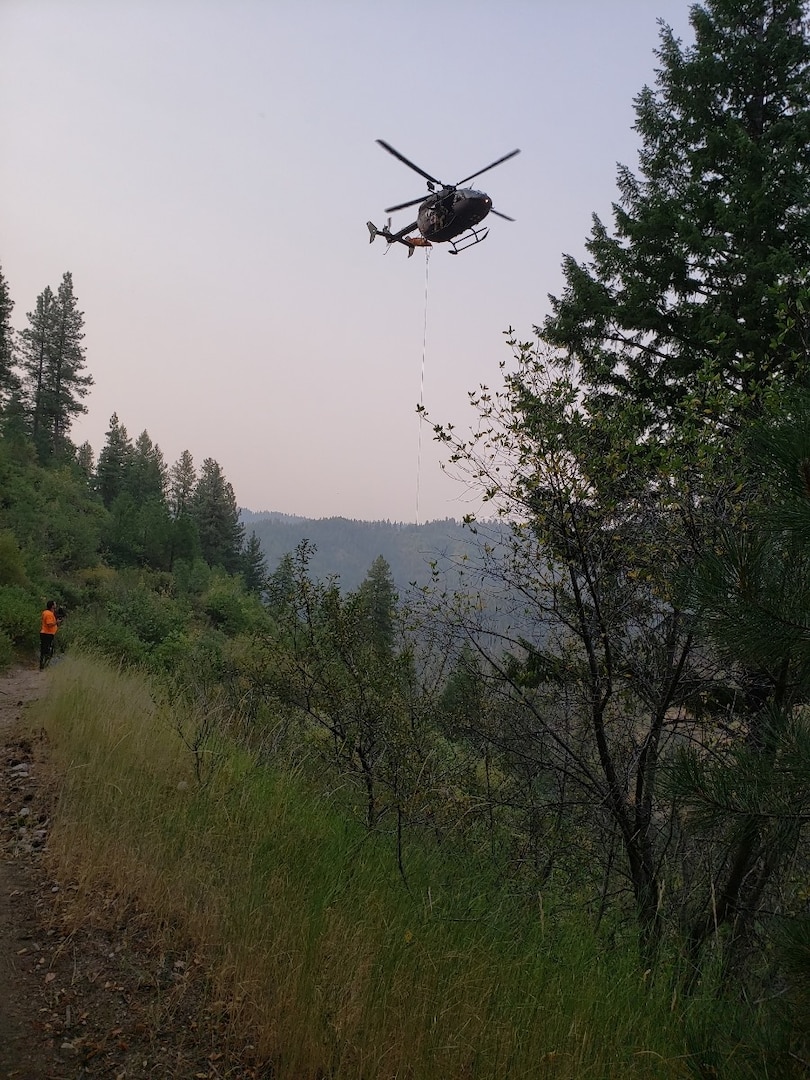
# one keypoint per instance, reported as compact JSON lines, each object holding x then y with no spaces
{"x":304,"y":922}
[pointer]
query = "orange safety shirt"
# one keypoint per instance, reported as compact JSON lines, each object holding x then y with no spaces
{"x":48,"y":624}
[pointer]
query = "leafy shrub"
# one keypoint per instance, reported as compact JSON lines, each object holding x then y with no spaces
{"x":19,"y":615}
{"x":96,"y":583}
{"x":109,"y":638}
{"x":226,"y":609}
{"x":150,"y":617}
{"x":12,"y":567}
{"x":191,"y":577}
{"x":172,"y":652}
{"x":6,"y":651}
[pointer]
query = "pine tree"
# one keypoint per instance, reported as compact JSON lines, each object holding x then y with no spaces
{"x":114,"y":462}
{"x":712,"y":240}
{"x":8,"y":378}
{"x":53,"y":362}
{"x":618,"y":452}
{"x":378,"y":599}
{"x":182,"y":481}
{"x":68,"y":384}
{"x":147,"y":476}
{"x":85,"y":460}
{"x":213,"y":508}
{"x":254,"y":566}
{"x":37,"y":340}
{"x":749,"y":802}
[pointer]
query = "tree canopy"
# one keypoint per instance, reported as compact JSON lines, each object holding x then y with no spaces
{"x":701,"y":284}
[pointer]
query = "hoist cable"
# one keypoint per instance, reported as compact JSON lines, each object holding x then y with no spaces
{"x":422,"y":387}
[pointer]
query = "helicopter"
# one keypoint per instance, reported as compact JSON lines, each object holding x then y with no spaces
{"x":449,"y":214}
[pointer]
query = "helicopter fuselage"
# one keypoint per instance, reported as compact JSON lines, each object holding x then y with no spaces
{"x":447,"y":214}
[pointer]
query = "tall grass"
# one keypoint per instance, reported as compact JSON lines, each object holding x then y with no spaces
{"x":303,"y":919}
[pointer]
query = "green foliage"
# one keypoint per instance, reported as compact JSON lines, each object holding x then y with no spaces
{"x":213,"y":509}
{"x":138,"y":533}
{"x":230,"y":608}
{"x":709,"y":245}
{"x":113,"y":640}
{"x":55,"y":519}
{"x":152,"y":617}
{"x":182,"y":481}
{"x":53,"y":362}
{"x":191,"y":577}
{"x":113,"y":462}
{"x":131,"y":622}
{"x":748,"y":798}
{"x":339,"y":662}
{"x":348,"y":971}
{"x":378,"y":607}
{"x":254,"y":566}
{"x":147,"y":476}
{"x":8,"y":378}
{"x":6,"y":651}
{"x":617,"y":452}
{"x":620,"y":718}
{"x":19,"y":615}
{"x":346,"y":548}
{"x":12,"y":566}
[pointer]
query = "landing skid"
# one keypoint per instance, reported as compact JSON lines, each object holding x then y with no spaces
{"x":468,"y":240}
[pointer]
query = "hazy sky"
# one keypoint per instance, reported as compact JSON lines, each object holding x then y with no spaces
{"x":205,"y":169}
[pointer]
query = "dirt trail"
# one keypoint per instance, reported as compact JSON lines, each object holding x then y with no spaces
{"x":23,"y":1053}
{"x":87,"y":990}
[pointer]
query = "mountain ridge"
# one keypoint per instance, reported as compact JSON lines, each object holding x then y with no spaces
{"x":346,"y":548}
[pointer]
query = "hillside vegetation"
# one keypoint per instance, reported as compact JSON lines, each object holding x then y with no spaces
{"x":547,"y":817}
{"x":347,"y":548}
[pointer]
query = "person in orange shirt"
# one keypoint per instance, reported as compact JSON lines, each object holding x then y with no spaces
{"x":47,"y":632}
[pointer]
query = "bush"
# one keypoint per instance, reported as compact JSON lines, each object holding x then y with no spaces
{"x":6,"y":651}
{"x":191,"y":577}
{"x":150,"y":617}
{"x":230,"y":608}
{"x":113,"y":640}
{"x":12,"y":567}
{"x":19,"y":615}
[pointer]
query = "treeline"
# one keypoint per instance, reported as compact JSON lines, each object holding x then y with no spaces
{"x":69,"y":522}
{"x":347,"y":548}
{"x":631,"y":739}
{"x":157,"y":513}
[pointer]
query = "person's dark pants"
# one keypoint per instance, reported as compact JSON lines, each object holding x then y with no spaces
{"x":45,"y":649}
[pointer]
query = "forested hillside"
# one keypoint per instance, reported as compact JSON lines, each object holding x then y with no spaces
{"x":419,"y":840}
{"x":348,"y":548}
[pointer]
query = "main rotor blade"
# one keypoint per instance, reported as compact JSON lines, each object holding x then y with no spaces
{"x":402,"y":205}
{"x":497,"y":213}
{"x":500,"y":161}
{"x":410,"y":164}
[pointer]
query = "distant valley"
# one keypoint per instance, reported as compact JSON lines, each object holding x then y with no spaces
{"x":347,"y":548}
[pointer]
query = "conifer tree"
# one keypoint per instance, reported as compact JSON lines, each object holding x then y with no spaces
{"x":8,"y":379}
{"x":378,"y":600}
{"x":182,"y":481}
{"x":147,"y":476}
{"x":618,"y":450}
{"x":68,"y":383}
{"x":85,"y":459}
{"x":53,"y":361}
{"x":711,"y":241}
{"x":254,"y":566}
{"x":213,"y":508}
{"x":114,"y":462}
{"x":37,"y":339}
{"x":750,"y":802}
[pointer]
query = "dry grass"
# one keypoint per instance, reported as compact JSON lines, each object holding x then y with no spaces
{"x":307,"y":933}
